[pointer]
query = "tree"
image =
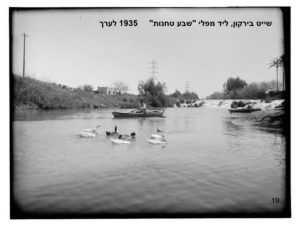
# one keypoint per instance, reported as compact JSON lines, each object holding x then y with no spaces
{"x":233,"y":84}
{"x":276,"y":62}
{"x":176,"y":94}
{"x":283,"y":64}
{"x":216,"y":95}
{"x":186,"y":95}
{"x":270,"y":85}
{"x":153,"y":93}
{"x":253,"y":91}
{"x":190,"y":95}
{"x":120,"y":86}
{"x":88,"y":88}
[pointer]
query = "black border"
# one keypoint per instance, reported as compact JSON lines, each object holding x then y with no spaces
{"x":17,"y":213}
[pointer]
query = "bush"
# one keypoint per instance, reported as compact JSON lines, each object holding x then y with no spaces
{"x":251,"y":91}
{"x":129,"y":105}
{"x":216,"y":95}
{"x":88,"y":88}
{"x":236,"y":104}
{"x":186,"y":95}
{"x":190,"y":96}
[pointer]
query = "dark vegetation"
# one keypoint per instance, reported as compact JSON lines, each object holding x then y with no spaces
{"x":236,"y":88}
{"x":188,"y":96}
{"x":153,"y":93}
{"x":32,"y":93}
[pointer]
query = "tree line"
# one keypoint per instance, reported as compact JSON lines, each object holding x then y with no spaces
{"x":237,"y":88}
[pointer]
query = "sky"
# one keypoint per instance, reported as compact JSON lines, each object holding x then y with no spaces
{"x":70,"y":47}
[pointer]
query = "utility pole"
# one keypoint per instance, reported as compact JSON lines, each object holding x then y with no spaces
{"x":153,"y":69}
{"x":24,"y":35}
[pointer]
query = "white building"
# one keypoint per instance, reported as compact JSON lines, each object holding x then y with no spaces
{"x":107,"y":91}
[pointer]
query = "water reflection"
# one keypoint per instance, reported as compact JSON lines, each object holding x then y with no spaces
{"x":37,"y":115}
{"x":230,"y":128}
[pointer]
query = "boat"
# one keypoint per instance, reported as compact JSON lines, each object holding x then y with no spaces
{"x":138,"y":113}
{"x":243,"y":110}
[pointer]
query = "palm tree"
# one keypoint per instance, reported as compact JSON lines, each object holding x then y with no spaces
{"x":283,"y":66}
{"x":276,"y":62}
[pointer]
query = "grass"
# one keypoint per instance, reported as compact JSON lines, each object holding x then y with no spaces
{"x":32,"y":93}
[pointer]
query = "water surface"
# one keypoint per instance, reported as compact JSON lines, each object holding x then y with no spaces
{"x":209,"y":164}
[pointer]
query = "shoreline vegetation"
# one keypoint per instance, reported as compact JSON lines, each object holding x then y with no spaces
{"x":236,"y":88}
{"x":30,"y":93}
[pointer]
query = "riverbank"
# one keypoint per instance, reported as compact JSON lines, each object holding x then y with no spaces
{"x":270,"y":118}
{"x":29,"y":93}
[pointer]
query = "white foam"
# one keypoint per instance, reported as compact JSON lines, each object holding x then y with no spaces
{"x":225,"y":104}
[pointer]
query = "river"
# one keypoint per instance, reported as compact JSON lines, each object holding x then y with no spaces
{"x":209,"y":164}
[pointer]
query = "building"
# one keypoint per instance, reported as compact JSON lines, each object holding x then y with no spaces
{"x":107,"y":91}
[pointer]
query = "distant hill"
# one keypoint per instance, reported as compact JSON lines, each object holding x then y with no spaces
{"x":35,"y":94}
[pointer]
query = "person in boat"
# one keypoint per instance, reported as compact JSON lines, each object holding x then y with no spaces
{"x":143,"y":106}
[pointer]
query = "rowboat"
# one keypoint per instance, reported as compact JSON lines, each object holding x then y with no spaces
{"x":138,"y":113}
{"x":244,"y":110}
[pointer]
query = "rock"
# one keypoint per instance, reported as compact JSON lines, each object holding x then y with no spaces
{"x":236,"y":104}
